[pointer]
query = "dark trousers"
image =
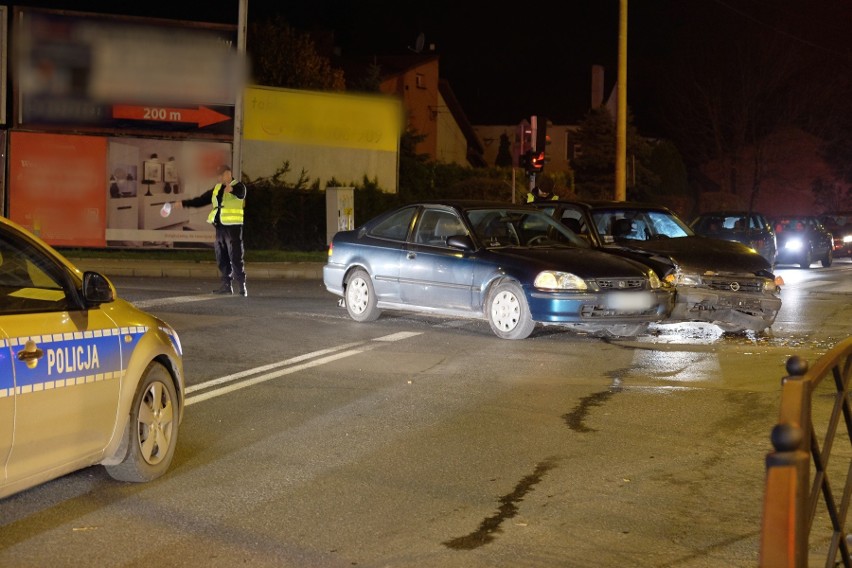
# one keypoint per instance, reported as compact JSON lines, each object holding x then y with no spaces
{"x":230,"y":253}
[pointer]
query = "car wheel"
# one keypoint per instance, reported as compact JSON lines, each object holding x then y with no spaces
{"x":360,"y":297}
{"x":152,"y":430}
{"x":508,"y":313}
{"x":807,"y":260}
{"x":828,"y":258}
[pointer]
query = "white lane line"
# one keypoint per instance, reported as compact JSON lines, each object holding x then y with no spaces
{"x":145,"y":304}
{"x":246,"y":373}
{"x":289,"y":370}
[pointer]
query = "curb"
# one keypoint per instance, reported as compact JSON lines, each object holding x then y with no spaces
{"x":197,"y":269}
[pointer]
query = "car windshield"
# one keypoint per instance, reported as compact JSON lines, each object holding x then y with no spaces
{"x":520,"y":227}
{"x":618,"y":224}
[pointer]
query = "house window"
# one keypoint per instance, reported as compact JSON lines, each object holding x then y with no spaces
{"x":420,"y":81}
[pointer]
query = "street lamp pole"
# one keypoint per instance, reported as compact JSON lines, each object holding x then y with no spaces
{"x":621,"y":113}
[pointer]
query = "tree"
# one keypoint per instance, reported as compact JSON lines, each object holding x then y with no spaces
{"x":504,"y":155}
{"x":594,"y":167}
{"x":284,"y":57}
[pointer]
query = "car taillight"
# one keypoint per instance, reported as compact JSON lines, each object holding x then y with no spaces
{"x":330,"y":249}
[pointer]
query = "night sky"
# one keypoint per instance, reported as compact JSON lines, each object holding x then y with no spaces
{"x":505,"y":64}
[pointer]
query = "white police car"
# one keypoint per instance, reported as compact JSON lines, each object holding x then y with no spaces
{"x":85,"y":377}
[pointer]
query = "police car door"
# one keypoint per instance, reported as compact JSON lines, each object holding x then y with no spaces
{"x":65,"y":360}
{"x":7,"y":404}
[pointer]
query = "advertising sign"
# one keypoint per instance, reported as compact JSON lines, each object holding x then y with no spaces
{"x":93,"y":191}
{"x":56,"y":187}
{"x":76,"y":70}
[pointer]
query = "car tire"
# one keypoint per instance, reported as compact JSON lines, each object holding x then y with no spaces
{"x":152,"y":431}
{"x":828,"y":258}
{"x":360,"y":297}
{"x":807,"y":260}
{"x":508,"y":313}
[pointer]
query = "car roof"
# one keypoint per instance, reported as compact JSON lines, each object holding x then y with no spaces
{"x":609,"y":204}
{"x":470,"y":203}
{"x":729,"y":212}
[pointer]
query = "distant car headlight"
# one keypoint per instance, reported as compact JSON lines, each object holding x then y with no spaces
{"x":552,"y":280}
{"x":683,"y":279}
{"x":654,"y":280}
{"x":847,"y":238}
{"x":794,"y":244}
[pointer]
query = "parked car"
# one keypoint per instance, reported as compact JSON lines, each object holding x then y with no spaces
{"x":802,"y":240}
{"x":85,"y":377}
{"x":749,"y":228}
{"x":509,"y":264}
{"x":840,"y":227}
{"x":718,"y":281}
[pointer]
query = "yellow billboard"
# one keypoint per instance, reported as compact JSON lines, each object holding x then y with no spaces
{"x":366,"y":122}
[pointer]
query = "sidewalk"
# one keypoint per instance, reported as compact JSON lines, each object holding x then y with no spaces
{"x":197,"y":269}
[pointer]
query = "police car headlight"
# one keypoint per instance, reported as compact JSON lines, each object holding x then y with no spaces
{"x":552,"y":280}
{"x":793,"y":244}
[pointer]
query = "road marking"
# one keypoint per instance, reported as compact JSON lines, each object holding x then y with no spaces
{"x":330,"y":356}
{"x":146,"y":304}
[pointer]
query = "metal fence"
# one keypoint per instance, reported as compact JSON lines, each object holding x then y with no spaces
{"x":814,"y":415}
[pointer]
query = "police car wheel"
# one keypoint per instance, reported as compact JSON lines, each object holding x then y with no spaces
{"x":152,"y":429}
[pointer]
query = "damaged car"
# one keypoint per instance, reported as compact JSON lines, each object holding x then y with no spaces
{"x":718,"y":281}
{"x":511,"y":265}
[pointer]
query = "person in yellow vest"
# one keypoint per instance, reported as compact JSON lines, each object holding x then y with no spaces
{"x":228,"y":198}
{"x":543,"y":191}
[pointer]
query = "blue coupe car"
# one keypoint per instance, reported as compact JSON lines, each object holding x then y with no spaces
{"x":512,"y":265}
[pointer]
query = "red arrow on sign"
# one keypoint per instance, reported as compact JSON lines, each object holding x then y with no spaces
{"x":202,"y":116}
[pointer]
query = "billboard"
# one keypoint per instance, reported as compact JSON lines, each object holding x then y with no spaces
{"x":97,"y":191}
{"x":107,"y":73}
{"x":329,"y":135}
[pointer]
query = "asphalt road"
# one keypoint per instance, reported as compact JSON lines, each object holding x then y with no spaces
{"x":311,"y":441}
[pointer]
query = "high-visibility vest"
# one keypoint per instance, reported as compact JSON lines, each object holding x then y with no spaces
{"x":231,"y":207}
{"x":531,"y":198}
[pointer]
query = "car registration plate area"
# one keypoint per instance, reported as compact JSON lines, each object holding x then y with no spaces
{"x":629,"y":301}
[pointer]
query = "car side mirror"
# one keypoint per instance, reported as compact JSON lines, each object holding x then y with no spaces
{"x":97,"y":289}
{"x":463,"y":242}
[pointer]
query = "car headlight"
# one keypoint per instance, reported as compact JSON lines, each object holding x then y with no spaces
{"x":552,"y":280}
{"x":793,"y":244}
{"x":770,"y":285}
{"x":683,"y":279}
{"x":847,"y":238}
{"x":654,"y":280}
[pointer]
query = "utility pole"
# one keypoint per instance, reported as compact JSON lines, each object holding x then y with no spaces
{"x":621,"y":113}
{"x":237,"y":158}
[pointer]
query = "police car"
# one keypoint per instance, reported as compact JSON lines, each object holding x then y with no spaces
{"x":85,"y":377}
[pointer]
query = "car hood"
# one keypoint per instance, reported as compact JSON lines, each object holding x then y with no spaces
{"x":703,"y":253}
{"x":582,"y":262}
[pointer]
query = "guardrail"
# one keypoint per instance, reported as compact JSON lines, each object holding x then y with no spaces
{"x":788,"y":535}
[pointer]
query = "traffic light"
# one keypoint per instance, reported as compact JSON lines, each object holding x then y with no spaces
{"x":536,"y":162}
{"x":525,"y":161}
{"x":540,"y":141}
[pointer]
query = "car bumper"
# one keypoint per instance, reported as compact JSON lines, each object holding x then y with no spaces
{"x":549,"y":307}
{"x":332,"y":278}
{"x":732,"y":311}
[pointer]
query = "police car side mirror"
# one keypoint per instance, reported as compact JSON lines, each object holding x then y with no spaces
{"x":96,"y":288}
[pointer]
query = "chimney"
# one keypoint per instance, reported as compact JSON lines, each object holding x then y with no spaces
{"x":597,"y":85}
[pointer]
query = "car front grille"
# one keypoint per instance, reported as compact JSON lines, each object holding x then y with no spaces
{"x":732,"y":283}
{"x":620,"y":283}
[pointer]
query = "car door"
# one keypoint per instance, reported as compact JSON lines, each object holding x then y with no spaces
{"x":432,"y":274}
{"x":65,"y":362}
{"x":7,"y":403}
